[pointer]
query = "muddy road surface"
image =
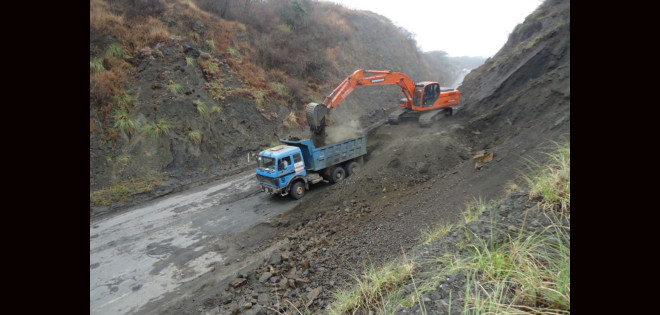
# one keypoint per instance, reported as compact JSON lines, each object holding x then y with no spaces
{"x":152,"y":251}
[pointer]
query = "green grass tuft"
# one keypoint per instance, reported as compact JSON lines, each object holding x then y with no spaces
{"x":174,"y":88}
{"x":216,"y":110}
{"x":158,"y":128}
{"x":96,"y":65}
{"x":195,"y":136}
{"x":373,"y":290}
{"x":210,"y":43}
{"x":550,"y":185}
{"x":429,"y":235}
{"x":115,"y":51}
{"x":190,"y":61}
{"x":202,"y":109}
{"x":474,"y":209}
{"x":279,"y":88}
{"x":123,"y":101}
{"x":259,"y":97}
{"x":123,"y":122}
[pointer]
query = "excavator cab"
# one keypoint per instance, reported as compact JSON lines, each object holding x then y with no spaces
{"x":425,"y":94}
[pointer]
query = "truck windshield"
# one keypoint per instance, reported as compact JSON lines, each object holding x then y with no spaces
{"x":266,"y":164}
{"x":417,"y":95}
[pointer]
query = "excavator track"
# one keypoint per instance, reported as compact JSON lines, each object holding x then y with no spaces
{"x":426,"y":119}
{"x":395,"y":116}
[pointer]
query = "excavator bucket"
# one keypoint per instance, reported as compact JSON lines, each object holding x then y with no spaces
{"x":316,"y":116}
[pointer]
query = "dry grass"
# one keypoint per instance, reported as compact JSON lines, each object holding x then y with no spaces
{"x":147,"y":32}
{"x":291,"y":120}
{"x":123,"y":189}
{"x":100,"y":17}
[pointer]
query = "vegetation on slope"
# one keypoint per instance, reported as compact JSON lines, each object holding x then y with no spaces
{"x":505,"y":270}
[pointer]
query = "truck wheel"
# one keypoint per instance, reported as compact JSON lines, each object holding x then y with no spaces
{"x":297,"y":190}
{"x":351,"y":168}
{"x":337,"y":175}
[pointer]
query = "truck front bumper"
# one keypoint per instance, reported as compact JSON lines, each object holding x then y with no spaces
{"x":272,"y":190}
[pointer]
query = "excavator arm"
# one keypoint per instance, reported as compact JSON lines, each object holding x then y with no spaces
{"x":316,"y":112}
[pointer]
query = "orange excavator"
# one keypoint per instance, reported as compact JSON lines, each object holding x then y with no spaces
{"x":425,"y":99}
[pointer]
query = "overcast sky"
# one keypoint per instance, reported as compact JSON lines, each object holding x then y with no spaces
{"x":458,"y":27}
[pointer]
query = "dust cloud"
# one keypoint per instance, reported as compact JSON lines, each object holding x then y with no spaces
{"x":347,"y":130}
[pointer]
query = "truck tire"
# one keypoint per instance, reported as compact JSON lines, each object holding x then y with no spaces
{"x":297,"y":190}
{"x":337,"y":175}
{"x":350,"y":168}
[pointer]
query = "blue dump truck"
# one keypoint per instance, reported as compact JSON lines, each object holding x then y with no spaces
{"x":289,"y":168}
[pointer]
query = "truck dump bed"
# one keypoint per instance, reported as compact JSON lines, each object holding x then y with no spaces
{"x":329,"y":155}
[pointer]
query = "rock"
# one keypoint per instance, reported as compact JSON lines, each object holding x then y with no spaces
{"x":263,"y":299}
{"x":265,"y":276}
{"x":198,"y":27}
{"x":247,"y":306}
{"x":257,"y":310}
{"x":321,"y":241}
{"x":238,"y":282}
{"x":305,"y":264}
{"x":275,"y":258}
{"x":292,"y":273}
{"x":190,"y":50}
{"x":311,"y":296}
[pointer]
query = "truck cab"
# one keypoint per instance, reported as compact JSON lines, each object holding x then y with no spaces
{"x":289,"y":168}
{"x":279,"y":166}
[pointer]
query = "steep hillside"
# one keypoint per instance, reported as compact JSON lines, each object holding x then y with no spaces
{"x":179,"y":93}
{"x":525,"y":87}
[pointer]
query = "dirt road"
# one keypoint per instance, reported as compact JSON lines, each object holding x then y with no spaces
{"x":141,"y":255}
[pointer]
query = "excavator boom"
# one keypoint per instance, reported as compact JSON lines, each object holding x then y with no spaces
{"x":316,"y":112}
{"x":378,"y":77}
